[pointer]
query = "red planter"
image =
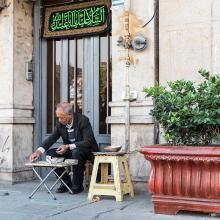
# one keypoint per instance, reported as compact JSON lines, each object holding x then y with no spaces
{"x":184,"y":178}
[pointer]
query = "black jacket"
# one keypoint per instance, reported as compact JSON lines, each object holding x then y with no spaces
{"x":83,"y":133}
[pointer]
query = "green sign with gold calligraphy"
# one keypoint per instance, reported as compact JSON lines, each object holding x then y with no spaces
{"x":76,"y":19}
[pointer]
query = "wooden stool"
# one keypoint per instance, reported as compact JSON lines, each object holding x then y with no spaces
{"x":117,"y":187}
{"x":87,"y":173}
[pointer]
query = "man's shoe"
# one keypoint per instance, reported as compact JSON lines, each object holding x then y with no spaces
{"x":77,"y":190}
{"x":62,"y":189}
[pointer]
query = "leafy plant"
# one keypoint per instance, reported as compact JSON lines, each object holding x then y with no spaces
{"x":188,"y":112}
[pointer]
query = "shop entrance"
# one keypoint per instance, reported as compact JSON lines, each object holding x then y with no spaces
{"x":79,"y":71}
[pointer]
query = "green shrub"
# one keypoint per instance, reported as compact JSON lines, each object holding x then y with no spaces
{"x":188,"y":112}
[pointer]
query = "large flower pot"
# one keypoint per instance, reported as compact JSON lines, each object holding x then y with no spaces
{"x":184,"y":178}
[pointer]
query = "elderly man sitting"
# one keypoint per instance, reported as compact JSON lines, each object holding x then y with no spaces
{"x":78,"y":143}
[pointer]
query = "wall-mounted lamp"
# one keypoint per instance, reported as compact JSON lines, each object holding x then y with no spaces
{"x":138,"y":43}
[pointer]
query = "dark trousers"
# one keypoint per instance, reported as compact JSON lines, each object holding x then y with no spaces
{"x":81,"y":154}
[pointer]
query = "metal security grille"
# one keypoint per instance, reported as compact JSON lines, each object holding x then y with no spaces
{"x":79,"y":71}
{"x":105,"y":82}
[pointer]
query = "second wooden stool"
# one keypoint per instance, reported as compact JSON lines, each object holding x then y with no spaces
{"x":117,"y":187}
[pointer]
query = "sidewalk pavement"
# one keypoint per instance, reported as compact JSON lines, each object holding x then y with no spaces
{"x":15,"y":205}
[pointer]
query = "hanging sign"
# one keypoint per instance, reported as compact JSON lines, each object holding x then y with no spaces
{"x":79,"y":19}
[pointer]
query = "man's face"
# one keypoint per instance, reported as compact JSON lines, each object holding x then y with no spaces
{"x":63,"y":117}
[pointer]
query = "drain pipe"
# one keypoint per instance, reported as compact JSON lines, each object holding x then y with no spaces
{"x":127,"y":44}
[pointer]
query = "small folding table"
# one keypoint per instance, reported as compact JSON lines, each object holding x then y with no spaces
{"x":66,"y":164}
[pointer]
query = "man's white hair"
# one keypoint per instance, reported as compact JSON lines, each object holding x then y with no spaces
{"x":66,"y":107}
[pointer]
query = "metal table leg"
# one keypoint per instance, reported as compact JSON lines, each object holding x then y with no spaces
{"x":43,"y":182}
{"x":59,"y":179}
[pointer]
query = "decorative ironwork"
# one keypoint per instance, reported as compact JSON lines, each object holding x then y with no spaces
{"x":76,"y":19}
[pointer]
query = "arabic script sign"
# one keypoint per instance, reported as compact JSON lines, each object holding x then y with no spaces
{"x":76,"y":19}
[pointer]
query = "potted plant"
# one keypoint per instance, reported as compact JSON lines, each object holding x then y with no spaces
{"x":185,"y":174}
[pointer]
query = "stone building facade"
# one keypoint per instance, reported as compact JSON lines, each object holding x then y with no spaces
{"x":183,"y":37}
{"x":16,"y":104}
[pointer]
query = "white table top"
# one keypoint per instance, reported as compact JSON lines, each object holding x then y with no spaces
{"x":66,"y":163}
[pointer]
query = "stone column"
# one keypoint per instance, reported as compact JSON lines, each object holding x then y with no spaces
{"x":16,"y":102}
{"x":141,"y":74}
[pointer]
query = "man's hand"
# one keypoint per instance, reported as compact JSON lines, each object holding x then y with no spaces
{"x":35,"y":156}
{"x":62,"y":149}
